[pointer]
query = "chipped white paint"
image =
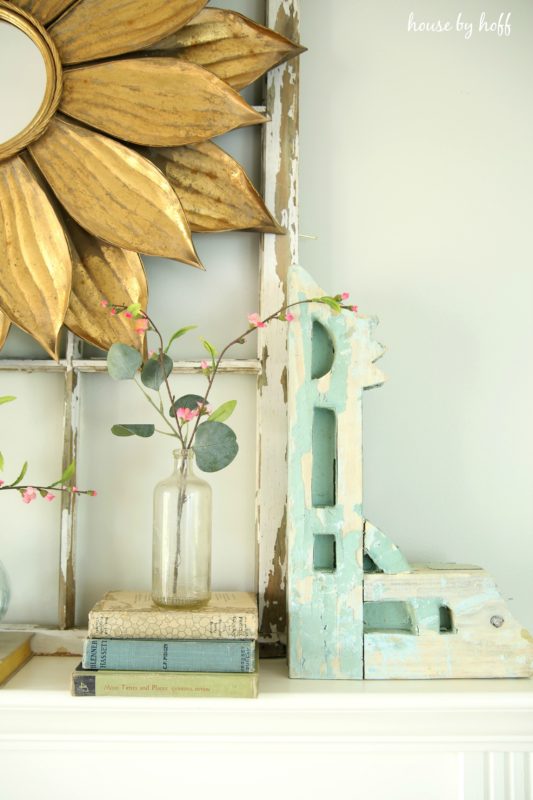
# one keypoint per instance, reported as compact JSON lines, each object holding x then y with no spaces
{"x":325,"y":598}
{"x":476,"y":648}
{"x":227,"y":365}
{"x":280,"y":178}
{"x":71,"y":425}
{"x":50,"y":641}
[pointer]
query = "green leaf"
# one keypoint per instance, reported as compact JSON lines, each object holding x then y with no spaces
{"x":179,"y":334}
{"x":123,"y":362}
{"x":134,"y":309}
{"x":21,"y":474}
{"x":7,"y":398}
{"x":211,"y":350}
{"x":215,"y":446}
{"x":1,"y":462}
{"x":331,"y":302}
{"x":186,"y":401}
{"x":153,"y":373}
{"x":67,"y":474}
{"x":144,"y":431}
{"x":223,"y":412}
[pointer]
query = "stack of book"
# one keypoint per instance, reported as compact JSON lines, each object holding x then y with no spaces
{"x":137,"y":648}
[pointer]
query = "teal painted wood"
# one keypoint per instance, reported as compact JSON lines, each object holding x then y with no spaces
{"x":330,"y":364}
{"x":185,"y":655}
{"x":383,"y":552}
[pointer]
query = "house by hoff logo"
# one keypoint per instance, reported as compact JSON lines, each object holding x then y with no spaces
{"x":501,"y":26}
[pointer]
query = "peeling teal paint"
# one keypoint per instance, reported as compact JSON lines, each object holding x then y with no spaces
{"x":383,"y":552}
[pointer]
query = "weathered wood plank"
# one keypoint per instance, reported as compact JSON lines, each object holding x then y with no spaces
{"x":51,"y":641}
{"x":484,"y":641}
{"x":239,"y":366}
{"x":280,"y":178}
{"x":330,"y":364}
{"x":71,"y":420}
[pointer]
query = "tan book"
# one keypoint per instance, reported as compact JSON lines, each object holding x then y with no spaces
{"x":15,"y":650}
{"x":134,"y":615}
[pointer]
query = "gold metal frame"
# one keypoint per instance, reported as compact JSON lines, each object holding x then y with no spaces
{"x":54,"y":81}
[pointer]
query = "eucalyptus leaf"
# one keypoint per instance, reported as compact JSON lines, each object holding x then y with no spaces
{"x":7,"y":398}
{"x":123,"y":362}
{"x":179,"y":334}
{"x":153,"y":373}
{"x":144,"y":431}
{"x":223,"y":412}
{"x":189,"y":401}
{"x":215,"y":445}
{"x":20,"y":475}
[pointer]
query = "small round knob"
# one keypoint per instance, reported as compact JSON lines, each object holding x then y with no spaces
{"x":497,"y":621}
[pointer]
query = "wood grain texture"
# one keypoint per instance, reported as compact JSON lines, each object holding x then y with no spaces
{"x":384,"y":553}
{"x":94,"y":29}
{"x":154,"y":101}
{"x":230,"y":45}
{"x":325,"y":489}
{"x":214,"y":190}
{"x":69,"y":500}
{"x":102,"y":271}
{"x":280,"y":180}
{"x":475,"y":648}
{"x":113,"y":192}
{"x":43,"y":10}
{"x":34,"y":257}
{"x":5,"y":324}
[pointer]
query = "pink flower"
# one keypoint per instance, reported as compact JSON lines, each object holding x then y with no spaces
{"x":187,"y":414}
{"x":204,"y":365}
{"x":204,"y":408}
{"x":113,"y":312}
{"x":128,"y":315}
{"x":355,"y":309}
{"x":289,"y":317}
{"x":75,"y":489}
{"x":2,"y":483}
{"x":49,"y":497}
{"x":29,"y":495}
{"x":104,"y":303}
{"x":141,"y":326}
{"x":255,"y":320}
{"x":345,"y":295}
{"x":92,"y":493}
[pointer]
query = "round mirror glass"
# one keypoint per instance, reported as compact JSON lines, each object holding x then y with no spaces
{"x":22,"y":80}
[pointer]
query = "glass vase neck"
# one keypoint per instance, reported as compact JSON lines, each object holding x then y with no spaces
{"x":184,"y":457}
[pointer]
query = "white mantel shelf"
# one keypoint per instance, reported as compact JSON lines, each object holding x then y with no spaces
{"x":477,"y":734}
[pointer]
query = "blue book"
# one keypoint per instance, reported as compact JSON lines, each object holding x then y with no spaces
{"x":178,"y":655}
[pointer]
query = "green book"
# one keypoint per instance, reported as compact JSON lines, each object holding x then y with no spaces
{"x":129,"y":683}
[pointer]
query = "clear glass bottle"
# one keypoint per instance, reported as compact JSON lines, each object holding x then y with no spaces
{"x":5,"y":591}
{"x":181,"y":551}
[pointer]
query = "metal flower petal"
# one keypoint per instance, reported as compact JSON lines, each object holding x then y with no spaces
{"x":113,"y":192}
{"x":125,"y":97}
{"x":215,"y":192}
{"x":94,"y":29}
{"x":43,"y":10}
{"x":230,"y":45}
{"x":102,"y":271}
{"x":36,"y":263}
{"x":5,"y":325}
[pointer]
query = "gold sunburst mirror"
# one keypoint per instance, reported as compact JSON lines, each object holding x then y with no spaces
{"x":106,"y":153}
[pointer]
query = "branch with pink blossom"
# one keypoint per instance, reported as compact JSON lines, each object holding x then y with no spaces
{"x":29,"y":492}
{"x":190,"y":418}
